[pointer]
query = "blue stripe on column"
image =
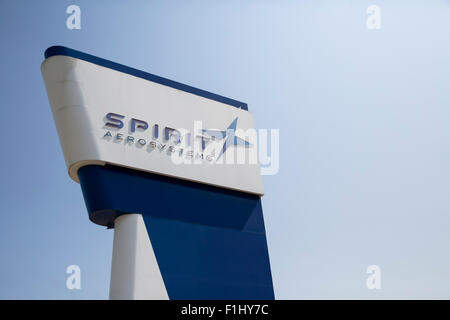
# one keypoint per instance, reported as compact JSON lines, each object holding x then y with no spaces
{"x":210,"y":242}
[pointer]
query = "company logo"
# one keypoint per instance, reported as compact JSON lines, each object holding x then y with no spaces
{"x":229,"y":135}
{"x":202,"y":144}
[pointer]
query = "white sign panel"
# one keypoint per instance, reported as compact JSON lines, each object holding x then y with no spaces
{"x":107,"y":116}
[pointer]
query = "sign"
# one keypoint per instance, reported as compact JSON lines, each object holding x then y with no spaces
{"x":173,"y":169}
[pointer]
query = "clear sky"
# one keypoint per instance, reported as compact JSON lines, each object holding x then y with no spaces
{"x":364,"y":120}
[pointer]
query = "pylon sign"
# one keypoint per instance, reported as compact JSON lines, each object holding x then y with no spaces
{"x":173,"y":169}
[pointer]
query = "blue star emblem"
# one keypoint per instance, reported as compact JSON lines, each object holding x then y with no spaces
{"x":229,"y":135}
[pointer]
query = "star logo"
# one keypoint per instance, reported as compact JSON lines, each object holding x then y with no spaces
{"x":229,"y":135}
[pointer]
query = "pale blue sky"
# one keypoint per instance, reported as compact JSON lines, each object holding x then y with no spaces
{"x":364,"y":119}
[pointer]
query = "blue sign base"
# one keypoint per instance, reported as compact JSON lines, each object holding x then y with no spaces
{"x":210,"y":242}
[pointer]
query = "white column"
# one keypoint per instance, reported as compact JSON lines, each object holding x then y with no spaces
{"x":134,"y":271}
